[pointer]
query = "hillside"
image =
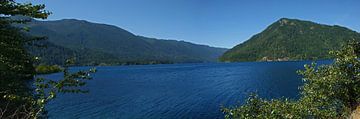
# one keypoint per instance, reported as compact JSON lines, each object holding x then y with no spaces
{"x":50,"y":53}
{"x":291,"y":39}
{"x":94,"y":43}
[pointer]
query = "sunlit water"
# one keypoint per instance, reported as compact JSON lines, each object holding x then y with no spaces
{"x":176,"y":90}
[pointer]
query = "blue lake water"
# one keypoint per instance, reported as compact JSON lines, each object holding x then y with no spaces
{"x":175,"y":90}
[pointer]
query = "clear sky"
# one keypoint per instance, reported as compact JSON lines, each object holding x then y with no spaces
{"x":220,"y":23}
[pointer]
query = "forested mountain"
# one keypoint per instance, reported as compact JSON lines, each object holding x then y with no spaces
{"x":291,"y":39}
{"x":93,"y":43}
{"x":50,"y":53}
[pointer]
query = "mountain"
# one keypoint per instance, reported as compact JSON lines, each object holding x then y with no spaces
{"x":50,"y":53}
{"x":94,"y":43}
{"x":291,"y":39}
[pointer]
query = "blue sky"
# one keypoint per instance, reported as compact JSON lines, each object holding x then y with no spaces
{"x":220,"y":23}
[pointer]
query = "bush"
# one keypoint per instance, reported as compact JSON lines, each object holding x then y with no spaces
{"x":329,"y":91}
{"x":48,"y":69}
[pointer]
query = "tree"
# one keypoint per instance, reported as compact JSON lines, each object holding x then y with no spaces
{"x":15,"y":63}
{"x":17,"y":98}
{"x":329,"y":91}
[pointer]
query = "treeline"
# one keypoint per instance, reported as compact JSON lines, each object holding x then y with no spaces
{"x":50,"y":54}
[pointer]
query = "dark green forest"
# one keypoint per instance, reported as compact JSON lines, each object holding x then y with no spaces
{"x":291,"y":39}
{"x":101,"y":44}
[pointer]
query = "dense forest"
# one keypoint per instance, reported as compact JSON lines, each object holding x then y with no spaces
{"x":101,"y":44}
{"x":291,"y":39}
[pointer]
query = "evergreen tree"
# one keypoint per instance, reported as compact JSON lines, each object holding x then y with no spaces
{"x":15,"y":63}
{"x":17,"y":97}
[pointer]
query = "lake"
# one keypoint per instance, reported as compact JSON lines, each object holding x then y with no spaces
{"x":176,"y":90}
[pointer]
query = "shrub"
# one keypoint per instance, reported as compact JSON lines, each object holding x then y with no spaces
{"x":48,"y":69}
{"x":329,"y":91}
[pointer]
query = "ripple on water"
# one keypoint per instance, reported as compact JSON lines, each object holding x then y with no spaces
{"x":176,"y":91}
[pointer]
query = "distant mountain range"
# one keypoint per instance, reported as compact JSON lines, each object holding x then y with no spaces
{"x":291,"y":39}
{"x":94,"y":44}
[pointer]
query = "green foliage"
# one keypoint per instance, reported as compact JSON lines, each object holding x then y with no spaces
{"x":47,"y":90}
{"x":17,"y":98}
{"x":11,"y":8}
{"x":15,"y":63}
{"x":329,"y":91}
{"x":33,"y":106}
{"x":258,"y":108}
{"x":291,"y":39}
{"x":337,"y":84}
{"x":47,"y":69}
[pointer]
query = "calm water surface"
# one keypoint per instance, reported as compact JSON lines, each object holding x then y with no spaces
{"x":175,"y":91}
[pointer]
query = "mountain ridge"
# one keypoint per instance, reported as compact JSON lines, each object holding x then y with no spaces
{"x":127,"y":47}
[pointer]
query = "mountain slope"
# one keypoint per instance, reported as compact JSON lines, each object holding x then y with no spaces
{"x":291,"y":39}
{"x":50,"y":53}
{"x":78,"y":35}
